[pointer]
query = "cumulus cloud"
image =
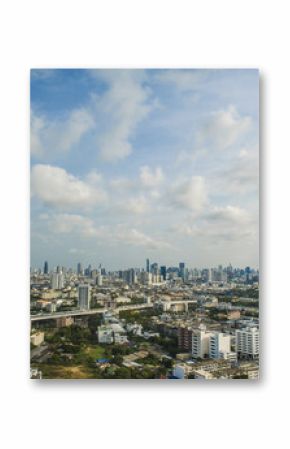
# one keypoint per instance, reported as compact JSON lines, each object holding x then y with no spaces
{"x":122,"y":184}
{"x":37,"y":125}
{"x":123,"y":106}
{"x":189,"y":194}
{"x":84,"y":227}
{"x":94,"y":178}
{"x":50,"y":137}
{"x":228,"y":215}
{"x":80,"y":225}
{"x":137,"y":238}
{"x":240,"y":176}
{"x":218,"y":224}
{"x":138,"y":205}
{"x":183,"y":80}
{"x":150,"y":177}
{"x":224,"y":128}
{"x":56,"y":187}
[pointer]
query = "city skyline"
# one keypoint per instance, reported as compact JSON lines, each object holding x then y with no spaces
{"x":126,"y":164}
{"x":48,"y":268}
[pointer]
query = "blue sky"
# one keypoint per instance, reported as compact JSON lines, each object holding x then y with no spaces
{"x":130,"y":164}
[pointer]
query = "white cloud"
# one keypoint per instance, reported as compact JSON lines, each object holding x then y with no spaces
{"x":56,"y":187}
{"x":81,"y":226}
{"x":94,"y":178}
{"x":37,"y":126}
{"x":183,"y":80}
{"x":189,"y":194}
{"x":219,"y":224}
{"x":73,"y":224}
{"x":228,"y":215}
{"x":240,"y":176}
{"x":137,"y":238}
{"x":138,"y":205}
{"x":49,"y":137}
{"x":76,"y":251}
{"x":150,"y":177}
{"x":224,"y":128}
{"x":122,"y":107}
{"x":122,"y":184}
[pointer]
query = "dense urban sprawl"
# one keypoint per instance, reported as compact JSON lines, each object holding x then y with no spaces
{"x":153,"y":323}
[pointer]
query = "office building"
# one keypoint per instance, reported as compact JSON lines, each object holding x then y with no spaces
{"x":154,"y":268}
{"x":129,"y":276}
{"x":79,"y":268}
{"x":45,"y":270}
{"x":147,"y":265}
{"x":163,"y":273}
{"x":84,"y":296}
{"x":181,"y":270}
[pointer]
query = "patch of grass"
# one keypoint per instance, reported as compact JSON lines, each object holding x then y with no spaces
{"x":95,"y":352}
{"x":65,"y":372}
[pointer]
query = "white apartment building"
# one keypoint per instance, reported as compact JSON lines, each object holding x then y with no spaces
{"x":200,"y":342}
{"x":214,"y":345}
{"x":57,"y":281}
{"x":219,"y":344}
{"x":99,"y":280}
{"x":247,"y":342}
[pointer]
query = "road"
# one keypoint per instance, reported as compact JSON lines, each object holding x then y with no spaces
{"x":72,"y":313}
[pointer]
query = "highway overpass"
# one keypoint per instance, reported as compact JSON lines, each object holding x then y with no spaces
{"x":77,"y":313}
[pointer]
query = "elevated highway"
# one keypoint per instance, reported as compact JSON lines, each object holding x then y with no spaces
{"x":77,"y":313}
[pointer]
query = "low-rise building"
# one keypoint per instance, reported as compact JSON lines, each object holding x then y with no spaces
{"x":112,"y":333}
{"x":65,"y":321}
{"x":37,"y":338}
{"x":233,"y":314}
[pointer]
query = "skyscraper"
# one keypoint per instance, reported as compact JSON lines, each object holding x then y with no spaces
{"x":84,"y":296}
{"x":79,"y":268}
{"x":45,"y":270}
{"x":147,"y":265}
{"x":154,"y":268}
{"x":130,"y":276}
{"x":163,"y":272}
{"x":181,"y":269}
